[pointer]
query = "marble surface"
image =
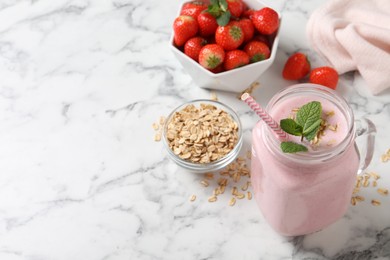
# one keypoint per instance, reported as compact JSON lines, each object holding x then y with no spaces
{"x":81,"y":83}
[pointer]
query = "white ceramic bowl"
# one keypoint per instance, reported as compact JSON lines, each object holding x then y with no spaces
{"x":235,"y":80}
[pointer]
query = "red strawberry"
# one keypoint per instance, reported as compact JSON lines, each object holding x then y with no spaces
{"x":193,"y":8}
{"x":235,"y":59}
{"x":193,"y":47}
{"x":248,"y":13}
{"x":325,"y":76}
{"x":257,"y":51}
{"x":236,"y":7}
{"x":218,"y":69}
{"x":262,"y":38}
{"x":184,"y":28}
{"x":297,"y":67}
{"x":266,"y":20}
{"x":211,"y":56}
{"x":207,"y":24}
{"x":248,"y":29}
{"x":230,"y":37}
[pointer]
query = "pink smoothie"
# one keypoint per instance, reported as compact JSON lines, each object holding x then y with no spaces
{"x":296,"y":193}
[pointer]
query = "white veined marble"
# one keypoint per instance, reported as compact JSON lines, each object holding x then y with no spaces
{"x":81,"y":83}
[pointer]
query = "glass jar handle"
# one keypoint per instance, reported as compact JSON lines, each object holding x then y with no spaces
{"x":365,"y":127}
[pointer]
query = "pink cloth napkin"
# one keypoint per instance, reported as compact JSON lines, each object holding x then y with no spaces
{"x":354,"y":35}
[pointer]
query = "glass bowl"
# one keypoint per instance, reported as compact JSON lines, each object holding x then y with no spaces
{"x":214,"y":165}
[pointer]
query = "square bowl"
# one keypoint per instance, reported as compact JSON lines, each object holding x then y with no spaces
{"x":236,"y":80}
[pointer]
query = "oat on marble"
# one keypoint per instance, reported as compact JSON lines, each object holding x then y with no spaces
{"x":226,"y":180}
{"x":386,"y":156}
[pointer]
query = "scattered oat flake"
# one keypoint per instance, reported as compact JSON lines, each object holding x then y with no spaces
{"x":155,"y":126}
{"x":245,"y":186}
{"x":374,"y":175}
{"x":353,"y":201}
{"x":232,"y":202}
{"x":374,"y":184}
{"x":385,"y":158}
{"x":383,"y":192}
{"x":240,"y":196}
{"x":212,"y":199}
{"x":157,"y":137}
{"x":358,"y":183}
{"x":359,"y":198}
{"x":214,"y":96}
{"x":193,"y":198}
{"x":162,"y":120}
{"x":375,"y":202}
{"x":249,"y":195}
{"x":204,"y":183}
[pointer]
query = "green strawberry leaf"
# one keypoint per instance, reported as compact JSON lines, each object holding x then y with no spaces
{"x":257,"y":57}
{"x":224,"y":5}
{"x":291,"y":147}
{"x":308,"y":115}
{"x":291,"y":127}
{"x":223,"y":19}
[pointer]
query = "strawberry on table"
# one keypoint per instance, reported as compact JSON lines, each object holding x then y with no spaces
{"x":297,"y":67}
{"x":193,"y":8}
{"x":230,"y":37}
{"x":248,"y":29}
{"x":193,"y":46}
{"x":325,"y":76}
{"x":184,"y":28}
{"x":207,"y":24}
{"x":236,"y":7}
{"x":257,"y":51}
{"x":235,"y":59}
{"x":211,"y":56}
{"x":266,"y":20}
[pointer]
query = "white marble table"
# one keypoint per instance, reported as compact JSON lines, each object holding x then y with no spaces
{"x":81,"y":178}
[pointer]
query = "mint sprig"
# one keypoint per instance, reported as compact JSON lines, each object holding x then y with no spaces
{"x":307,"y":123}
{"x":219,"y":9}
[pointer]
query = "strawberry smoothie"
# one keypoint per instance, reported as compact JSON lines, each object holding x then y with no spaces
{"x":305,"y":192}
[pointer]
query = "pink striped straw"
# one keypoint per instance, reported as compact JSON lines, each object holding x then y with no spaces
{"x":264,"y":116}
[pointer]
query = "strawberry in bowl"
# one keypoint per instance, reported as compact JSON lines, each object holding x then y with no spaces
{"x":241,"y":38}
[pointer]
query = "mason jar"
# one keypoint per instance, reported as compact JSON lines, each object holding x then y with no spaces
{"x":304,"y":192}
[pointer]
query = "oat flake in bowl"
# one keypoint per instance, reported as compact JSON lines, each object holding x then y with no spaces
{"x":203,"y":135}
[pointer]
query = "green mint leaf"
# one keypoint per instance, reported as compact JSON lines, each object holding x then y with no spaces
{"x":291,"y":147}
{"x":310,"y":136}
{"x":308,"y":115}
{"x":291,"y":127}
{"x":314,"y":126}
{"x":223,"y":19}
{"x":224,"y":5}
